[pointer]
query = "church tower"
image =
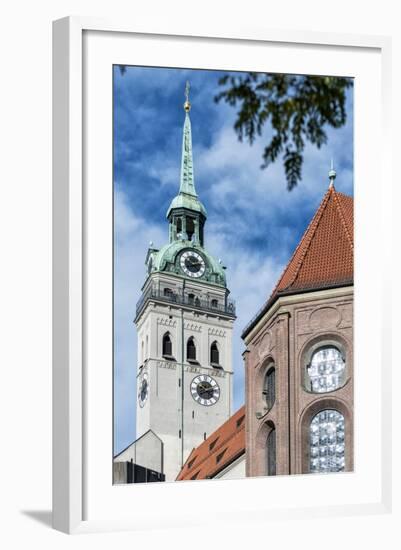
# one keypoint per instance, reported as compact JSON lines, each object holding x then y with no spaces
{"x":184,"y":321}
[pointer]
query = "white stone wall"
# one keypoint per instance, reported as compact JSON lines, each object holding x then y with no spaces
{"x":146,"y":451}
{"x":236,"y":470}
{"x":170,"y":411}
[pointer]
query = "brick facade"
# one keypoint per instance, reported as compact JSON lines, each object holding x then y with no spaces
{"x":308,"y":318}
{"x":286,"y":336}
{"x":299,"y":354}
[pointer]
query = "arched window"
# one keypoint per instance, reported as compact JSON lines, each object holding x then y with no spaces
{"x":167,"y":292}
{"x":214,"y":303}
{"x":327,"y":442}
{"x":191,"y":349}
{"x":271,"y":452}
{"x":179,"y":227}
{"x":167,"y":345}
{"x":326,"y":370}
{"x":191,"y":298}
{"x":269,"y":387}
{"x":142,"y":352}
{"x":197,"y":301}
{"x":190,"y":227}
{"x":214,"y":354}
{"x":147,"y":347}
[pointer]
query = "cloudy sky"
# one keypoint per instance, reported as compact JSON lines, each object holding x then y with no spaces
{"x":253,"y":222}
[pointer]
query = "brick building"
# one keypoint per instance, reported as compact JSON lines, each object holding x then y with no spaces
{"x":298,"y":358}
{"x":298,"y":362}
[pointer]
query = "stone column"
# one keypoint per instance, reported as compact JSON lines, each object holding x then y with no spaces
{"x":184,"y":228}
{"x":196,"y":231}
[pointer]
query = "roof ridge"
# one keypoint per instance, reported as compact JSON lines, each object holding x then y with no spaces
{"x":314,"y":222}
{"x":136,"y":440}
{"x":342,"y":218}
{"x":318,"y":258}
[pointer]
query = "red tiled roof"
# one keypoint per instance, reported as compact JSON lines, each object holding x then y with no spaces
{"x":221,"y":448}
{"x":324,"y":258}
{"x":324,"y":255}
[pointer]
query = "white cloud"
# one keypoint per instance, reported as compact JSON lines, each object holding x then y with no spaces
{"x":246,"y":200}
{"x":231,"y":171}
{"x":132,"y":236}
{"x":251,"y":276}
{"x":250,"y":280}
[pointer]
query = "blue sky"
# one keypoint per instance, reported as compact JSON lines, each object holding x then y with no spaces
{"x":253,"y":222}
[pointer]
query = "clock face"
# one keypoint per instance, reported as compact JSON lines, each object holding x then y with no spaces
{"x":205,"y":390}
{"x":192,"y":264}
{"x":143,"y":390}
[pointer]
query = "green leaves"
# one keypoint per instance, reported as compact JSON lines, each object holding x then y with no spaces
{"x":297,"y":107}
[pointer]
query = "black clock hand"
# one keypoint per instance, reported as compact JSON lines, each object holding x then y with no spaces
{"x":204,"y":389}
{"x":194,"y":262}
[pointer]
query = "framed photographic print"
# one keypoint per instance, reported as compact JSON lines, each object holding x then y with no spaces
{"x":214,"y":292}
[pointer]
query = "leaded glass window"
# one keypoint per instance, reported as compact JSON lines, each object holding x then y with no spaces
{"x":326,"y":370}
{"x":271,"y":452}
{"x":269,"y":389}
{"x":327,"y":442}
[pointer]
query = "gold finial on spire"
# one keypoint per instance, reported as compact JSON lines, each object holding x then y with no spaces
{"x":332,"y":174}
{"x":187,"y":105}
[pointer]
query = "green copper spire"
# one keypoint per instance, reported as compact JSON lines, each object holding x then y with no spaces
{"x":187,"y":197}
{"x":187,"y":182}
{"x":187,"y":217}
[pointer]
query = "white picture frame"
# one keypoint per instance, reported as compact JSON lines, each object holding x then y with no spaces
{"x":73,"y":488}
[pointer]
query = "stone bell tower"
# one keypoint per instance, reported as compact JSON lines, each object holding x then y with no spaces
{"x":184,"y":321}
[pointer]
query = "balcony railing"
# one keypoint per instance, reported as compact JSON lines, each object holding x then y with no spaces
{"x":227,"y":308}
